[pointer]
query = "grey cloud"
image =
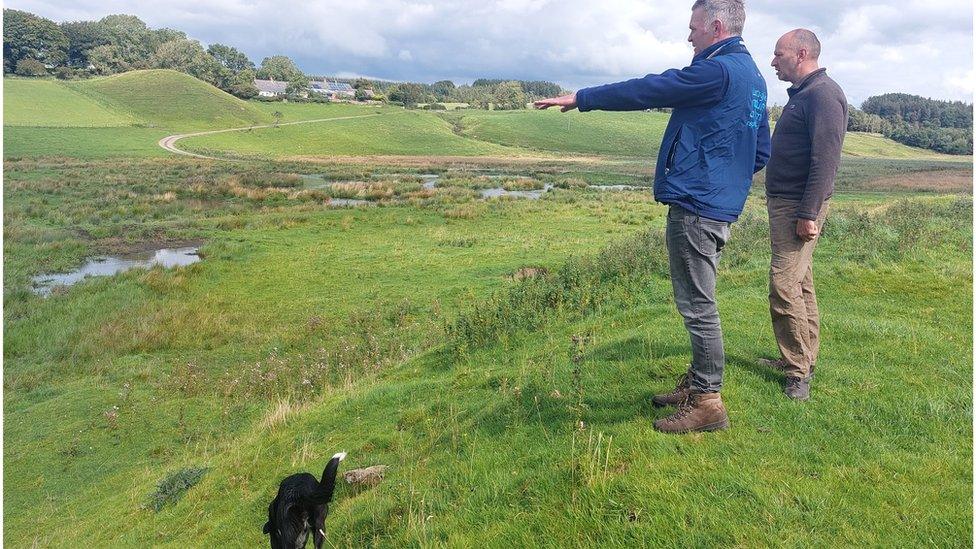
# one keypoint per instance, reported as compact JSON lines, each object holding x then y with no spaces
{"x":870,"y":47}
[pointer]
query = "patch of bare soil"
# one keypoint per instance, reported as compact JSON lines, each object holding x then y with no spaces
{"x":940,"y":181}
{"x":119,"y":247}
{"x":528,"y":272}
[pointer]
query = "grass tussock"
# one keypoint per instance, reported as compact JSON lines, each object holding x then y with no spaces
{"x":580,"y":285}
{"x":520,"y":184}
{"x":174,"y":486}
{"x":266,"y":180}
{"x":571,"y":183}
{"x":280,"y":412}
{"x":465,"y":212}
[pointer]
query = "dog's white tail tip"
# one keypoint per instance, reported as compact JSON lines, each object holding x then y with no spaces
{"x":340,"y":455}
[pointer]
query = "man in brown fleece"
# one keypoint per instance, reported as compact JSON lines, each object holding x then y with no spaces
{"x":806,"y":147}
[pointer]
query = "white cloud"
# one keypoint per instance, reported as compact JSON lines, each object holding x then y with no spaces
{"x":869,"y":47}
{"x":964,"y":84}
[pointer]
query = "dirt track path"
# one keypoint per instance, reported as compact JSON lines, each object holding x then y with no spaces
{"x":169,"y":142}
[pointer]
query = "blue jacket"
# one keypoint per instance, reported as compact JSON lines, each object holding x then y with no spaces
{"x":718,"y":135}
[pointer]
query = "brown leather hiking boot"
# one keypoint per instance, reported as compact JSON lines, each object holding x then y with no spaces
{"x":699,"y":412}
{"x":677,"y":396}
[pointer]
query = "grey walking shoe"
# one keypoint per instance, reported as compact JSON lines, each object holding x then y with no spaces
{"x":798,"y":388}
{"x":779,"y":365}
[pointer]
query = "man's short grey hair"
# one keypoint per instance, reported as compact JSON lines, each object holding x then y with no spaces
{"x":804,"y":39}
{"x":732,"y":13}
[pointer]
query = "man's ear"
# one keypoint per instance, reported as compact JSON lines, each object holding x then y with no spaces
{"x":801,"y":55}
{"x":267,"y":527}
{"x":717,"y":28}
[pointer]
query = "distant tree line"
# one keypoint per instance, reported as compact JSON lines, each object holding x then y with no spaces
{"x":482,"y":93}
{"x":35,"y":46}
{"x":943,"y":126}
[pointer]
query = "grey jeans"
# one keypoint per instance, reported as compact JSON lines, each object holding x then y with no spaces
{"x":694,"y":247}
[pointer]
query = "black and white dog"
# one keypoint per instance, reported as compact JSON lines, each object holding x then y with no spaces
{"x":301,"y":506}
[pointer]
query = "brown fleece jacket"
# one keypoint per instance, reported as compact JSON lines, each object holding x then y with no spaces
{"x":806,"y":144}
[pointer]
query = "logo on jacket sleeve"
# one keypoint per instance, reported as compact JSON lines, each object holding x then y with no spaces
{"x":758,"y":108}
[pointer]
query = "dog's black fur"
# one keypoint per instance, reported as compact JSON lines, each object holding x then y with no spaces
{"x":301,"y":506}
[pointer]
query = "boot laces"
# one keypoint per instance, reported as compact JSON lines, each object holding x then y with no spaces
{"x":680,"y":386}
{"x":685,"y":407}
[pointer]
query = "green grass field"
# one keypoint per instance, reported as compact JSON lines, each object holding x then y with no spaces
{"x":294,"y":112}
{"x":121,"y":142}
{"x":396,"y":332}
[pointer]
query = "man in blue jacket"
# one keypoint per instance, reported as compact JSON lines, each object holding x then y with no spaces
{"x":717,"y":138}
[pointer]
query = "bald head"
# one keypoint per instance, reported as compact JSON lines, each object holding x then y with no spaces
{"x":796,"y":55}
{"x":803,"y":39}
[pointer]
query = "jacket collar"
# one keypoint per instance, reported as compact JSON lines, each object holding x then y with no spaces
{"x":729,"y":45}
{"x":806,"y":80}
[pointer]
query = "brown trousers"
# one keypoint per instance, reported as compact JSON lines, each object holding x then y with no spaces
{"x":792,"y":299}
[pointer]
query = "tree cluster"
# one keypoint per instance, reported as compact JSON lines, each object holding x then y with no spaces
{"x":943,"y":126}
{"x":35,"y":46}
{"x":482,"y":94}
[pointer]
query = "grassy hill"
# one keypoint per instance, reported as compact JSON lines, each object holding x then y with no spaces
{"x":116,"y":116}
{"x":163,"y":99}
{"x":53,"y":103}
{"x":173,"y":100}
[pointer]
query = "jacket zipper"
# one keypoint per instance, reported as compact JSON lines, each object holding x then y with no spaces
{"x":669,"y":163}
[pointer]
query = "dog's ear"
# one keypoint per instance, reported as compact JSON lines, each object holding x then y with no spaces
{"x":267,"y":527}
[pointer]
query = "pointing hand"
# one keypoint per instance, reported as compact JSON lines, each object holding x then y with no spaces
{"x":565,"y":103}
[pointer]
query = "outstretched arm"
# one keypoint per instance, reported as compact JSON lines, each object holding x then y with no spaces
{"x":701,"y":83}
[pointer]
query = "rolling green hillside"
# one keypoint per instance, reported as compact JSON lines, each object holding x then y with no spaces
{"x":53,"y":103}
{"x":600,"y":133}
{"x":628,"y":134}
{"x":173,"y":100}
{"x":170,"y":101}
{"x":873,"y":145}
{"x":162,"y":99}
{"x":394,"y":132}
{"x":527,"y":132}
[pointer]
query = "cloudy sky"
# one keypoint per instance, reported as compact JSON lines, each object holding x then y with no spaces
{"x":923,"y":47}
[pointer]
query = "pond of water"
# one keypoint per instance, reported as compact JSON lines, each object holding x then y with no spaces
{"x":108,"y":266}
